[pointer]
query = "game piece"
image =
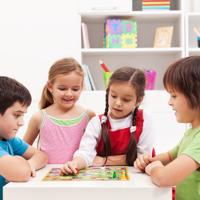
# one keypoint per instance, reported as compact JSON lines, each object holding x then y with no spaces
{"x":123,"y":176}
{"x":114,"y":174}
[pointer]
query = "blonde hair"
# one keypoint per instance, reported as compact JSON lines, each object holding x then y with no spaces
{"x":61,"y":67}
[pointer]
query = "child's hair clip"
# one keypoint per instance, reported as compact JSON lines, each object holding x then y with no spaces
{"x":132,"y":129}
{"x":103,"y":119}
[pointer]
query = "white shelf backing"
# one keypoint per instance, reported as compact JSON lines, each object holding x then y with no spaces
{"x":192,"y":20}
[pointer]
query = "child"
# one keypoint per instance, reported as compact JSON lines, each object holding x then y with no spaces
{"x":61,"y":122}
{"x":18,"y":160}
{"x":122,"y":132}
{"x":180,"y":166}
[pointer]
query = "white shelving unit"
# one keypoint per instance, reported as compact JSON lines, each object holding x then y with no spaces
{"x":144,"y":56}
{"x":192,"y":20}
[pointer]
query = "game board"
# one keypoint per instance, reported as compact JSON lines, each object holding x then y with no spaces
{"x":114,"y":173}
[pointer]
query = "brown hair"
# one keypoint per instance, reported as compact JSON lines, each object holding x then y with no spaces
{"x":61,"y":67}
{"x":12,"y":91}
{"x":136,"y":78}
{"x":184,"y":76}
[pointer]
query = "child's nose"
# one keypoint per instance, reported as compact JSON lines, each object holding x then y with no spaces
{"x":118,"y":102}
{"x":21,"y":122}
{"x":170,"y":102}
{"x":68,"y":93}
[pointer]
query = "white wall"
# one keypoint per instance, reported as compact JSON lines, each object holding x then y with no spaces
{"x":196,"y":6}
{"x":34,"y":34}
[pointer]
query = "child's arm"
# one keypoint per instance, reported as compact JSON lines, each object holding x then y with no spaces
{"x":174,"y":172}
{"x":165,"y":158}
{"x":73,"y":166}
{"x":14,"y":168}
{"x":33,"y":128}
{"x":36,"y":159}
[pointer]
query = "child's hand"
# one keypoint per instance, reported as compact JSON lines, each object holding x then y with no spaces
{"x":142,"y":161}
{"x":99,"y":161}
{"x":70,"y":167}
{"x":152,"y":166}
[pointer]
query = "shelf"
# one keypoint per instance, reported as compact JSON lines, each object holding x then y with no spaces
{"x":147,"y":22}
{"x":193,"y":52}
{"x":99,"y":16}
{"x":144,"y":56}
{"x":142,"y":60}
{"x":97,"y":51}
{"x":192,"y":20}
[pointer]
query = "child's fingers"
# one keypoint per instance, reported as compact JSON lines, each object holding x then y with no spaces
{"x":66,"y":169}
{"x":147,"y":158}
{"x":73,"y":167}
{"x":69,"y":168}
{"x":153,"y":165}
{"x":141,"y":161}
{"x":33,"y":173}
{"x":138,"y":165}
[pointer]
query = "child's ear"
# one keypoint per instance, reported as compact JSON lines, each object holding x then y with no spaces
{"x":49,"y":86}
{"x":139,"y":101}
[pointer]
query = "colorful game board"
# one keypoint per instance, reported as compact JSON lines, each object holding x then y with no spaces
{"x":91,"y":174}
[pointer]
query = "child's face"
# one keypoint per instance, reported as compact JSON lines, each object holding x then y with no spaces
{"x":66,"y":90}
{"x":122,"y":100}
{"x":12,"y":120}
{"x":183,"y":112}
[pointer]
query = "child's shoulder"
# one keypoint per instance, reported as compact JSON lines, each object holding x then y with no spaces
{"x":89,"y":112}
{"x":37,"y":116}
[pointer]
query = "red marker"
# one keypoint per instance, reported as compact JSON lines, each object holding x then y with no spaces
{"x":153,"y":152}
{"x":103,"y":65}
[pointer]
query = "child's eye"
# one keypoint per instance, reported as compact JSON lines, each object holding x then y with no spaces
{"x":127,"y":100}
{"x":62,"y":89}
{"x":76,"y":89}
{"x":113,"y":96}
{"x":17,"y":115}
{"x":173,"y":96}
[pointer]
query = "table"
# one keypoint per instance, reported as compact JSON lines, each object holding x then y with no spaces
{"x":138,"y":187}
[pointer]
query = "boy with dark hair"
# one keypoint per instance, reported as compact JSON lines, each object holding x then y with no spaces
{"x":18,"y":160}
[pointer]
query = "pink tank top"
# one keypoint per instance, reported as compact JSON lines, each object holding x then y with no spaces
{"x":60,"y":138}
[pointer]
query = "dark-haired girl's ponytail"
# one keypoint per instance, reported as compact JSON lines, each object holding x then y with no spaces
{"x":131,"y":154}
{"x":104,"y":132}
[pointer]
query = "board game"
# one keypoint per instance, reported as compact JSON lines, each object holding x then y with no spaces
{"x":113,"y":173}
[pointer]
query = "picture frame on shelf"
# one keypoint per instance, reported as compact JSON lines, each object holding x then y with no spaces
{"x":163,"y":37}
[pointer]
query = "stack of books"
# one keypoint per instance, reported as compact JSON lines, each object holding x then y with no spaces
{"x":120,"y":33}
{"x":155,"y":4}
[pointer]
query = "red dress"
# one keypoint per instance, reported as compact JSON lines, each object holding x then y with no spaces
{"x":119,"y":139}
